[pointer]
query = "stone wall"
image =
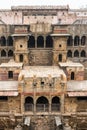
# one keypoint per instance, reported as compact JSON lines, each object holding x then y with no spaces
{"x":78,"y":73}
{"x":40,"y":57}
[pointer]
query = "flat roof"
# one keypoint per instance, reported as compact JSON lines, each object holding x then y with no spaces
{"x":77,"y":85}
{"x":56,"y":35}
{"x":16,"y":35}
{"x":37,"y":7}
{"x":77,"y":94}
{"x":42,"y":71}
{"x":8,"y":85}
{"x":11,"y":63}
{"x":70,"y":64}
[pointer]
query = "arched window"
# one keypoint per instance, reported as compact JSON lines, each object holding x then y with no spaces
{"x":69,"y":53}
{"x":76,"y":53}
{"x":60,"y":58}
{"x":9,"y":41}
{"x":83,"y":40}
{"x":29,"y":104}
{"x":42,"y":104}
{"x":3,"y":53}
{"x":55,"y":106}
{"x":31,"y":42}
{"x":49,"y":42}
{"x":3,"y":41}
{"x":40,"y":41}
{"x":72,"y":76}
{"x":21,"y":58}
{"x":70,"y":41}
{"x":83,"y":53}
{"x":10,"y":53}
{"x":76,"y":41}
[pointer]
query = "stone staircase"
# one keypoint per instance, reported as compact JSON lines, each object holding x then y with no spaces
{"x":42,"y":123}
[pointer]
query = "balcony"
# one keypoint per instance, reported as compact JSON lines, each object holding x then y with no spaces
{"x":55,"y":107}
{"x":29,"y":107}
{"x":42,"y":107}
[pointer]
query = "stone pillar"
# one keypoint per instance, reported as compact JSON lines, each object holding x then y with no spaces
{"x":44,"y":42}
{"x":50,"y":107}
{"x":74,"y":127}
{"x":18,"y":127}
{"x":35,"y":41}
{"x":22,"y":95}
{"x":34,"y":100}
{"x":66,"y":125}
{"x":62,"y":103}
{"x":22,"y":103}
{"x":17,"y":57}
{"x":26,"y":58}
{"x":73,"y":41}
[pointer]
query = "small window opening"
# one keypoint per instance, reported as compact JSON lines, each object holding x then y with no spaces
{"x":82,"y":98}
{"x":3,"y":98}
{"x":59,"y":45}
{"x":21,"y":46}
{"x":42,"y":84}
{"x":10,"y":74}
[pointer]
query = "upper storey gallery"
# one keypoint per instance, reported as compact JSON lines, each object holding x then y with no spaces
{"x":46,"y":14}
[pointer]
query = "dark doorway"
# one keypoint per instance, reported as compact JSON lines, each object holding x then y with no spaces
{"x":10,"y":74}
{"x":60,"y":58}
{"x":72,"y":75}
{"x":21,"y":58}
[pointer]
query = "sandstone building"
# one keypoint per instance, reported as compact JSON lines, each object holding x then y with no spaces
{"x":43,"y":68}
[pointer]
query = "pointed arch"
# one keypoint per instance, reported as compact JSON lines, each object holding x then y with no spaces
{"x":10,"y":41}
{"x":3,"y":41}
{"x":70,"y":41}
{"x":83,"y":40}
{"x":76,"y":53}
{"x":55,"y":104}
{"x":3,"y":53}
{"x":31,"y":42}
{"x":76,"y":41}
{"x":42,"y":104}
{"x":49,"y":42}
{"x":40,"y":41}
{"x":69,"y":53}
{"x":10,"y":53}
{"x":29,"y":103}
{"x":83,"y":53}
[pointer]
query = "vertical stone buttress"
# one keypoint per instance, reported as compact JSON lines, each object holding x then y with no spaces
{"x":59,"y":49}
